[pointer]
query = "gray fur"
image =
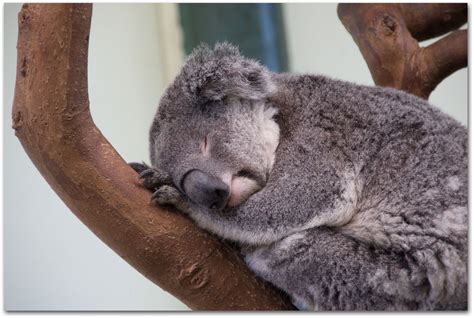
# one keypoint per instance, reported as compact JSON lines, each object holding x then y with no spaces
{"x":365,"y":206}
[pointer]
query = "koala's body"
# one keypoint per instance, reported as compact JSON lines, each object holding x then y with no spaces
{"x":344,"y":196}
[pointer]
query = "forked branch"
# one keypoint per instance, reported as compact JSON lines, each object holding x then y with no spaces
{"x":388,"y":34}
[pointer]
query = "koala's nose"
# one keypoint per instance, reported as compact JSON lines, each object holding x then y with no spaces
{"x":206,"y":190}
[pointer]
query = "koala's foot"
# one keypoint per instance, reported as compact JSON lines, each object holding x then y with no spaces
{"x":151,"y":178}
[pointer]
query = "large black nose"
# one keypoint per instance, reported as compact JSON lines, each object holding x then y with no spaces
{"x":205,"y":190}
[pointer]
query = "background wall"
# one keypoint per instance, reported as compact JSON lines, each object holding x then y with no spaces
{"x":51,"y":260}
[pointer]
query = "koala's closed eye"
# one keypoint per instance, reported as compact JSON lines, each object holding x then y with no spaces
{"x":249,"y":174}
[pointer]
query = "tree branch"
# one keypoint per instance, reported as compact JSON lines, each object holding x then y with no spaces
{"x":446,"y":56}
{"x":52,"y":120}
{"x":394,"y":56}
{"x":429,"y":20}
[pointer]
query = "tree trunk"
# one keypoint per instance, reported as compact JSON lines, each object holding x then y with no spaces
{"x":52,"y":120}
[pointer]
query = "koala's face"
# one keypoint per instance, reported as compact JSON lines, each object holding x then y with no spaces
{"x":219,"y":153}
{"x":214,"y":133}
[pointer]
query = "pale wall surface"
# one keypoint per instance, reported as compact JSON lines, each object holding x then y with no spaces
{"x":51,"y":260}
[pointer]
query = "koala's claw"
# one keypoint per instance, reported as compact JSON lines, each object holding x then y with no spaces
{"x":139,"y":167}
{"x":169,"y":195}
{"x":147,"y":173}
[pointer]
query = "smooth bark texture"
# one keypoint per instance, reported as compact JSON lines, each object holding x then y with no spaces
{"x":387,"y":36}
{"x":52,"y":120}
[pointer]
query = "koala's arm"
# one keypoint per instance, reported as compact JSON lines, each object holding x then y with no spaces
{"x":324,"y":270}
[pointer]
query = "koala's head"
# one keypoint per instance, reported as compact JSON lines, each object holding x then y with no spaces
{"x":213,"y":132}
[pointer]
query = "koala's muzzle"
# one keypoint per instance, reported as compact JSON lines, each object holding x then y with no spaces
{"x":205,"y":190}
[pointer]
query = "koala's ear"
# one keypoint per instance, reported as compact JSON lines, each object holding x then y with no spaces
{"x":223,"y":73}
{"x":250,"y":81}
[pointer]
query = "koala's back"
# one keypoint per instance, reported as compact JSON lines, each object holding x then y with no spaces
{"x":410,"y":159}
{"x":409,"y":193}
{"x":414,"y":194}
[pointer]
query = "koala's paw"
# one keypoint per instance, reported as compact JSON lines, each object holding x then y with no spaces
{"x":167,"y":194}
{"x":151,"y":178}
{"x":161,"y":185}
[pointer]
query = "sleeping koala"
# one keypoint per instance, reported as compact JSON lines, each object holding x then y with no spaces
{"x":344,"y":196}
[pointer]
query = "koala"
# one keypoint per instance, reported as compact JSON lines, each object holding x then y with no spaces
{"x":346,"y":197}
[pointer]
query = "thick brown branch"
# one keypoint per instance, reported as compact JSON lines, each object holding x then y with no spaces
{"x":52,"y":120}
{"x":429,"y":20}
{"x":393,"y":55}
{"x":383,"y":40}
{"x":446,"y":56}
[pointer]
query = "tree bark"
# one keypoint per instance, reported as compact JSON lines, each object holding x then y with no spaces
{"x":429,"y":20}
{"x":387,"y":35}
{"x":52,"y":120}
